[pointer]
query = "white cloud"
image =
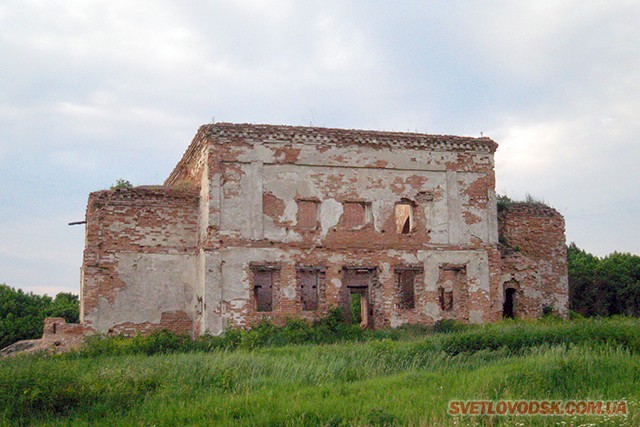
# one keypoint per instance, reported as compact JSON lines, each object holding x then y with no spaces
{"x":41,"y":254}
{"x":141,"y":34}
{"x":73,"y":160}
{"x":106,"y":117}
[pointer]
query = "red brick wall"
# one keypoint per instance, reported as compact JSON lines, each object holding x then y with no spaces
{"x":189,"y":169}
{"x":534,"y":258}
{"x":350,"y":165}
{"x":383,"y":289}
{"x":177,"y":322}
{"x":142,"y":220}
{"x":446,"y":179}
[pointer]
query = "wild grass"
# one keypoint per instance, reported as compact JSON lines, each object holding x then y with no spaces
{"x":397,"y":378}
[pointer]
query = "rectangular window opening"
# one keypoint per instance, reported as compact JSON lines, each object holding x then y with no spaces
{"x":404,"y":218}
{"x":445,"y":298}
{"x":406,"y":287}
{"x":357,"y":280}
{"x":263,"y":289}
{"x":452,"y":278}
{"x":309,"y":282}
{"x":356,"y":214}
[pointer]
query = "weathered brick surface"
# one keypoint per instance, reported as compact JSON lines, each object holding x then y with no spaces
{"x":178,"y":322}
{"x":59,"y":336}
{"x":58,"y":326}
{"x":300,"y":199}
{"x":151,"y":228}
{"x":534,"y":258}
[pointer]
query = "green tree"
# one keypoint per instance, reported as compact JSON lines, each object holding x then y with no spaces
{"x":64,"y":305}
{"x":584,"y":295}
{"x":22,"y":314}
{"x":621,"y":271}
{"x":603,"y":286}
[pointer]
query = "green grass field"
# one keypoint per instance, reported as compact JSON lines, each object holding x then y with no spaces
{"x":392,"y":378}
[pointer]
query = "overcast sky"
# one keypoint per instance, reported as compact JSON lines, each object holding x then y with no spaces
{"x":92,"y":91}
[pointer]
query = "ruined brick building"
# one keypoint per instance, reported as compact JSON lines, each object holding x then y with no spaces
{"x":261,"y":221}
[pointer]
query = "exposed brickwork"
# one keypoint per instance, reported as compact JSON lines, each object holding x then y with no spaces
{"x":534,"y":258}
{"x":408,"y":221}
{"x":354,"y":216}
{"x":154,"y":221}
{"x":58,"y":337}
{"x":250,"y":133}
{"x":307,"y":214}
{"x":190,"y":168}
{"x":59,"y":327}
{"x":178,"y":322}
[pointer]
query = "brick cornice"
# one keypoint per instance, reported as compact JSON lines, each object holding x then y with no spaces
{"x":254,"y":133}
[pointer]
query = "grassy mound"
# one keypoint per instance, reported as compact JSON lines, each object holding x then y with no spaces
{"x":397,"y":377}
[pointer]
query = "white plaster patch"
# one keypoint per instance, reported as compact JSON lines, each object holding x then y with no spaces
{"x":476,"y":316}
{"x":379,"y":211}
{"x":405,"y":257}
{"x":155,"y":283}
{"x":396,"y":321}
{"x":385,"y":269}
{"x":532,"y":293}
{"x":336,"y":258}
{"x":290,"y":213}
{"x":432,"y":310}
{"x":262,"y":153}
{"x":290,"y":292}
{"x":330,"y":214}
{"x":237,"y":304}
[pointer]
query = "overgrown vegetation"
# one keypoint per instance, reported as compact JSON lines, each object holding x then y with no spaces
{"x":404,"y":379}
{"x":22,"y":314}
{"x":328,"y":330}
{"x":449,"y":337}
{"x":121,"y":183}
{"x":603,"y":286}
{"x":505,"y":201}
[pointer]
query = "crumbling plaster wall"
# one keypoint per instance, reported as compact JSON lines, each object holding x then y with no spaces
{"x":453,"y":191}
{"x":534,"y":259}
{"x":239,"y":304}
{"x":196,"y":169}
{"x":183,"y":256}
{"x":256,"y":182}
{"x":140,"y":263}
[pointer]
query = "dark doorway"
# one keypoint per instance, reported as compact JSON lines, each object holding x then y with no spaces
{"x":508,"y":310}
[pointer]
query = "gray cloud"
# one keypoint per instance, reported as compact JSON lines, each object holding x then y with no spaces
{"x":94,"y":91}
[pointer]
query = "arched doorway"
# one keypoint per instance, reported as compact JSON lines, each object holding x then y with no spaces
{"x":509,"y":307}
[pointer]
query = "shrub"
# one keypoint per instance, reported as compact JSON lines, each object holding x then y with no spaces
{"x":121,"y":183}
{"x":159,"y":342}
{"x":448,"y":325}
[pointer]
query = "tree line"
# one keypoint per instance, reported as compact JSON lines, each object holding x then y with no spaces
{"x":605,"y":286}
